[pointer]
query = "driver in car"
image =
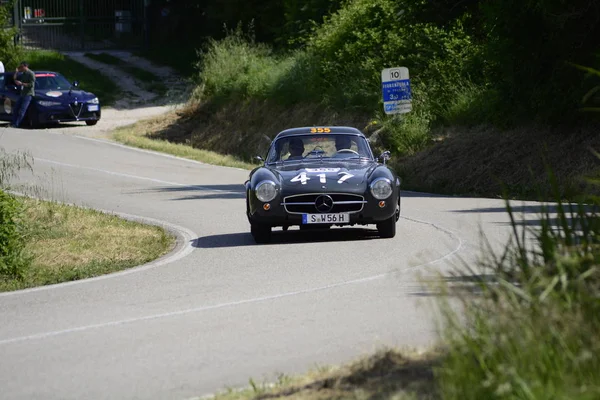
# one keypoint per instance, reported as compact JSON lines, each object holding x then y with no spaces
{"x":343,"y":143}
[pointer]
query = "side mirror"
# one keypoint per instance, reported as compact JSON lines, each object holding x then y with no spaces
{"x":385,"y":156}
{"x":76,"y":84}
{"x":259,"y":158}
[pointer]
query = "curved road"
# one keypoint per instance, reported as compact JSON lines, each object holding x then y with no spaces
{"x":221,"y":309}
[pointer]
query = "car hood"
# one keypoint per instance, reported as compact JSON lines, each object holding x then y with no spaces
{"x":64,"y":96}
{"x":320,"y":177}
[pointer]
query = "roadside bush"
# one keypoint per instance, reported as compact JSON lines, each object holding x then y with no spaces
{"x":534,"y":332}
{"x":13,"y":262}
{"x":340,"y":69}
{"x":366,"y":36}
{"x":529,"y":44}
{"x":10,"y":55}
{"x":236,"y":68}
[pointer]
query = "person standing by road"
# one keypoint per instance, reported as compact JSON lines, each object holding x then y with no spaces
{"x":25,"y":79}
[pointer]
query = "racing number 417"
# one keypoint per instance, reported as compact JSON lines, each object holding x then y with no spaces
{"x":303,"y":178}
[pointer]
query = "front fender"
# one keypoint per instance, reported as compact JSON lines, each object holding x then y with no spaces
{"x":259,"y":175}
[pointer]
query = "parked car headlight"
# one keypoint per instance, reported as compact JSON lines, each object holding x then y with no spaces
{"x":94,"y":101}
{"x":381,"y":188}
{"x":266,"y":191}
{"x":45,"y":103}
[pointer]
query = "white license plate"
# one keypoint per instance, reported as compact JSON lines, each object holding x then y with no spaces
{"x":325,"y":218}
{"x":93,"y":108}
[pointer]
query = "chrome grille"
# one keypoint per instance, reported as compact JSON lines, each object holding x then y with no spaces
{"x":306,"y":203}
{"x":76,"y":108}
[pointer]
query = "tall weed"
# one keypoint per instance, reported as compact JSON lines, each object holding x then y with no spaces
{"x":11,"y":164}
{"x":533,"y":334}
{"x":13,"y":260}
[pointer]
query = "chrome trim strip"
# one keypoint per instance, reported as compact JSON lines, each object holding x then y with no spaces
{"x":361,"y":202}
{"x":328,"y":193}
{"x":335,"y":202}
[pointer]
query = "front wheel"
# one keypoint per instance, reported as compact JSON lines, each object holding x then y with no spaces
{"x":387,"y":228}
{"x":32,"y":119}
{"x":261,"y":233}
{"x":90,"y":123}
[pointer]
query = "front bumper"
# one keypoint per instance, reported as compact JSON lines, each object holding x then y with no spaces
{"x":277,"y":215}
{"x":67,"y":114}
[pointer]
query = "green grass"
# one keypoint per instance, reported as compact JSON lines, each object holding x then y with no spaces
{"x":135,"y":136}
{"x":67,"y":243}
{"x":149,"y":81}
{"x":534,"y":332}
{"x":236,"y":68}
{"x":89,"y":80}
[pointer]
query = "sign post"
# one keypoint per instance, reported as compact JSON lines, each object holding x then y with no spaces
{"x":395,"y":86}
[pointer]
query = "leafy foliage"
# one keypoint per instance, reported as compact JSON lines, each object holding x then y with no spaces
{"x":529,"y":44}
{"x":591,"y":99}
{"x":13,"y":262}
{"x":10,"y":55}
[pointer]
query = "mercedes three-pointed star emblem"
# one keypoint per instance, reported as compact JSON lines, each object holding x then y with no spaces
{"x":324,"y":203}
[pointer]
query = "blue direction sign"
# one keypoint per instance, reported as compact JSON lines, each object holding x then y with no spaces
{"x":395,"y":86}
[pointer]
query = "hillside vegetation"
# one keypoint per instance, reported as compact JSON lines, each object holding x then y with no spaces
{"x":481,"y":72}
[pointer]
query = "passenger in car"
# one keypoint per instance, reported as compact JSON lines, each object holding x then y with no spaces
{"x":296,"y":147}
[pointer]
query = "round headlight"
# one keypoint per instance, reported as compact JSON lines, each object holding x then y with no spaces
{"x":381,"y":188}
{"x":266,"y":191}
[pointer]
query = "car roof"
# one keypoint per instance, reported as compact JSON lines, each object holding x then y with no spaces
{"x":46,"y":72}
{"x":36,"y":72}
{"x":311,"y":130}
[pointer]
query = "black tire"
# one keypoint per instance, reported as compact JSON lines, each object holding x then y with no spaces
{"x":387,"y":228}
{"x":90,"y":123}
{"x":32,"y":119}
{"x":261,"y":233}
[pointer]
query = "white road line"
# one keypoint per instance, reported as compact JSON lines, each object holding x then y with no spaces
{"x":156,"y":153}
{"x":152,"y":152}
{"x":143,"y":178}
{"x":45,"y":335}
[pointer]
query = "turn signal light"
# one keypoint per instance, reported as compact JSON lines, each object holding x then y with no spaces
{"x":266,"y":206}
{"x":381,"y":204}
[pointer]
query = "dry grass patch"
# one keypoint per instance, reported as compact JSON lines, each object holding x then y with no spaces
{"x":484,"y":161}
{"x":67,"y":243}
{"x":388,"y":374}
{"x":141,"y":135}
{"x":230,"y":134}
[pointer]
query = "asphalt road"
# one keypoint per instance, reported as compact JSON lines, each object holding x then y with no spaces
{"x":221,"y":309}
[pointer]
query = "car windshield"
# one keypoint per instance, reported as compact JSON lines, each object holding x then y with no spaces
{"x":51,"y":82}
{"x":334,"y":147}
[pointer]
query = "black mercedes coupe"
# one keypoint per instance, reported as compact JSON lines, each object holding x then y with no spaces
{"x":318,"y":177}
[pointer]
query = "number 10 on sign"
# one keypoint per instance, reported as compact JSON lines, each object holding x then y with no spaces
{"x":395,"y":87}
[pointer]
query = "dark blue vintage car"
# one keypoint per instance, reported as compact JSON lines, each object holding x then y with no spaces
{"x":56,"y":100}
{"x":318,"y":177}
